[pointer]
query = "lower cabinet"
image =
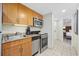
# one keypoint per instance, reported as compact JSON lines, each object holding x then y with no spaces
{"x":27,"y":47}
{"x":12,"y":51}
{"x":17,"y":48}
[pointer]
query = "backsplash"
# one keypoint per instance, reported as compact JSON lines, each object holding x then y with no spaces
{"x":12,"y":28}
{"x":34,"y":29}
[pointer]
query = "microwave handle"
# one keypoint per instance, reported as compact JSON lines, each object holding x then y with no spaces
{"x":33,"y":21}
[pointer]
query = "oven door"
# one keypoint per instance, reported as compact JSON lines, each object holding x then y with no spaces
{"x":44,"y":42}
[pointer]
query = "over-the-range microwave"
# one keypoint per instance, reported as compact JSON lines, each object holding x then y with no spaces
{"x":37,"y":22}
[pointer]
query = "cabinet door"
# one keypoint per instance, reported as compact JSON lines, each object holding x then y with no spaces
{"x":27,"y":48}
{"x":15,"y":50}
{"x":5,"y":49}
{"x":5,"y":13}
{"x":30,"y":18}
{"x":11,"y":49}
{"x":10,"y":13}
{"x":6,"y":52}
{"x":25,"y":51}
{"x":22,"y":14}
{"x":30,"y":46}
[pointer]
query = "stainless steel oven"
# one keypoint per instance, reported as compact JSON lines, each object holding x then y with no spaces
{"x":37,"y":22}
{"x":44,"y":42}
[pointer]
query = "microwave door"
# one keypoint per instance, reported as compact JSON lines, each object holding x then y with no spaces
{"x":38,"y":23}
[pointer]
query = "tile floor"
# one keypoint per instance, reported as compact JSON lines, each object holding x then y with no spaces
{"x":60,"y":49}
{"x":67,"y":41}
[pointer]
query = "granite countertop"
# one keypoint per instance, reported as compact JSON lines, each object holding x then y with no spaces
{"x":18,"y":38}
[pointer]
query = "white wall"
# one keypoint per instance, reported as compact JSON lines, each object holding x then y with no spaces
{"x":57,"y":25}
{"x":76,"y":37}
{"x":74,"y":41}
{"x":54,"y":31}
{"x":47,"y":28}
{"x":60,"y":29}
{"x":53,"y":28}
{"x":67,"y":24}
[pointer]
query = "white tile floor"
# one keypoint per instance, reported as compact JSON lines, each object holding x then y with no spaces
{"x":68,"y":41}
{"x":59,"y":49}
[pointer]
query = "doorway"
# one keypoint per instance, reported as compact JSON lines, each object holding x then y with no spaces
{"x":67,"y":29}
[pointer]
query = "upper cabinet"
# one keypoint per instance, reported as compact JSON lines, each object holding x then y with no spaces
{"x":16,"y":13}
{"x":22,"y":14}
{"x":37,"y":15}
{"x":40,"y":17}
{"x":30,"y":17}
{"x":10,"y":13}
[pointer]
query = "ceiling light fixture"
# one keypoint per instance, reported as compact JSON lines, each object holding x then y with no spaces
{"x":64,"y":10}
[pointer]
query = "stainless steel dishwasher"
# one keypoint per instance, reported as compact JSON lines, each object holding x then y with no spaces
{"x":35,"y":45}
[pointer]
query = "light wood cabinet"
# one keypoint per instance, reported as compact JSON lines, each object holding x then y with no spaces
{"x":37,"y":15}
{"x":21,"y":47}
{"x":34,"y":14}
{"x":30,"y":18}
{"x":5,"y":17}
{"x":15,"y":50}
{"x":17,"y":13}
{"x":5,"y":49}
{"x":40,"y":17}
{"x":22,"y":14}
{"x":11,"y":49}
{"x":27,"y":47}
{"x":10,"y":13}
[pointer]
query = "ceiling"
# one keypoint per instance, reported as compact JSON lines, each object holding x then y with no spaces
{"x":55,"y":8}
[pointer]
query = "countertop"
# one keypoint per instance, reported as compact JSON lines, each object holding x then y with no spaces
{"x":18,"y":38}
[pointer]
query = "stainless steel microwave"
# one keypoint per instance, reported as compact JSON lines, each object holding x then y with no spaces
{"x":37,"y":22}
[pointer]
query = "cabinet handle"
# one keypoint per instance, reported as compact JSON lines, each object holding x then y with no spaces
{"x":21,"y":50}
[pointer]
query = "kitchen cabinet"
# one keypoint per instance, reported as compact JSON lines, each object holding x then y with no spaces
{"x":25,"y":15}
{"x":5,"y":17}
{"x":40,"y":17}
{"x":37,"y":15}
{"x":30,"y":18}
{"x":5,"y":49}
{"x":11,"y":49}
{"x":10,"y":13}
{"x":27,"y":47}
{"x":15,"y":50}
{"x":22,"y":14}
{"x":21,"y":47}
{"x":34,"y":14}
{"x":16,"y":13}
